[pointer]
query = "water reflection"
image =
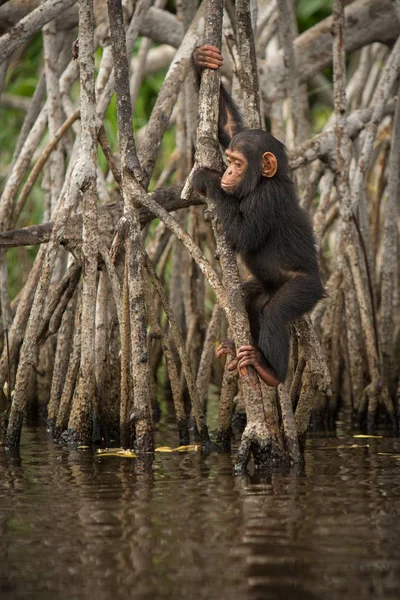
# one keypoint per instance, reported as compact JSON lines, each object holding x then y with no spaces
{"x":75,"y":526}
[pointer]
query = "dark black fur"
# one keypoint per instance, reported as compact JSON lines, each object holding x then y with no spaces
{"x":264,"y":223}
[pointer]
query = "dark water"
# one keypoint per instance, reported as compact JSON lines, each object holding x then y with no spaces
{"x":75,"y":526}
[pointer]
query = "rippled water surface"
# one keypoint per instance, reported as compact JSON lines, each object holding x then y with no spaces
{"x":76,"y":526}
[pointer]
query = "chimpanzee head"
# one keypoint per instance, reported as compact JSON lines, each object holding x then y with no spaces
{"x":254,"y":156}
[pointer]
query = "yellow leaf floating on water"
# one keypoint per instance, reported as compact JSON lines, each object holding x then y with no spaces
{"x":82,"y":447}
{"x":362,"y":436}
{"x":121,"y":452}
{"x":359,"y":446}
{"x":389,"y":454}
{"x":341,"y":446}
{"x":189,"y":448}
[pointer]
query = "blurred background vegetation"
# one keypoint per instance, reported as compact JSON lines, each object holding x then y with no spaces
{"x":22,"y":79}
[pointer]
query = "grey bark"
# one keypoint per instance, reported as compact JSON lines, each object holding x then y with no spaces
{"x":366,"y":21}
{"x":28,"y":355}
{"x":63,"y":353}
{"x":389,"y":243}
{"x":167,"y":97}
{"x":30,"y":24}
{"x":131,"y":174}
{"x":186,"y":366}
{"x":207,"y":355}
{"x":261,"y":437}
{"x":71,"y":377}
{"x":108,"y":216}
{"x":51,"y":47}
{"x":247,"y":68}
{"x":85,"y":399}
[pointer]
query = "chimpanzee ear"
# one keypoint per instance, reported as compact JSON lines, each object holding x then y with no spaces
{"x":269,"y":164}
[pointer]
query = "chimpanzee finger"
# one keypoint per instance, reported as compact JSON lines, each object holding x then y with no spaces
{"x":209,"y":64}
{"x":246,"y":348}
{"x":233,"y":365}
{"x":209,"y":51}
{"x":209,"y":58}
{"x":209,"y":47}
{"x":245,"y":362}
{"x":212,"y":51}
{"x":226,"y":347}
{"x":222,"y":349}
{"x":242,"y":372}
{"x":246,"y":353}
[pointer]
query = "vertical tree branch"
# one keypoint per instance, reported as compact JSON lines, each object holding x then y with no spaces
{"x":131,"y":175}
{"x":389,"y":263}
{"x":261,"y":437}
{"x":85,"y":401}
{"x":247,"y":68}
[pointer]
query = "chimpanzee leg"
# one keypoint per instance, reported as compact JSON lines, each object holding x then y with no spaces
{"x":255,"y":299}
{"x":292,"y":300}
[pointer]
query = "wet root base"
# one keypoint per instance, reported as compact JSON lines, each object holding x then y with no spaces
{"x":302,"y":444}
{"x":3,"y":425}
{"x":183,"y":431}
{"x":239,"y":421}
{"x":110,"y":431}
{"x":71,"y":437}
{"x":50,"y":425}
{"x":13,"y":434}
{"x":206,"y":444}
{"x":265,"y":447}
{"x":144,"y":443}
{"x":223,"y":443}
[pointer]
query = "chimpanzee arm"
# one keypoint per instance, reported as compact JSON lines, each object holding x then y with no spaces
{"x":230,"y":121}
{"x":208,"y":183}
{"x":247,"y":225}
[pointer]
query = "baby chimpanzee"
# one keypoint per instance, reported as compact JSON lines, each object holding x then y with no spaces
{"x":260,"y":215}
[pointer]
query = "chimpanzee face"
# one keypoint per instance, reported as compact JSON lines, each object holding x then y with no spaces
{"x":238,"y":177}
{"x":233,"y":176}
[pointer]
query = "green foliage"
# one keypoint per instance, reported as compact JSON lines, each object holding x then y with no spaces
{"x":110,"y":124}
{"x":11,"y":121}
{"x":166,"y":149}
{"x":319,"y":116}
{"x":147,"y":98}
{"x":22,"y":80}
{"x":310,"y":12}
{"x":27,"y":68}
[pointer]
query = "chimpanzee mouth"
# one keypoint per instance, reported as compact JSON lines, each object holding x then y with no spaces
{"x":228,"y":188}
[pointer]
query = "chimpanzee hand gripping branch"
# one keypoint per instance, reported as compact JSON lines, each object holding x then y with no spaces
{"x":262,"y":220}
